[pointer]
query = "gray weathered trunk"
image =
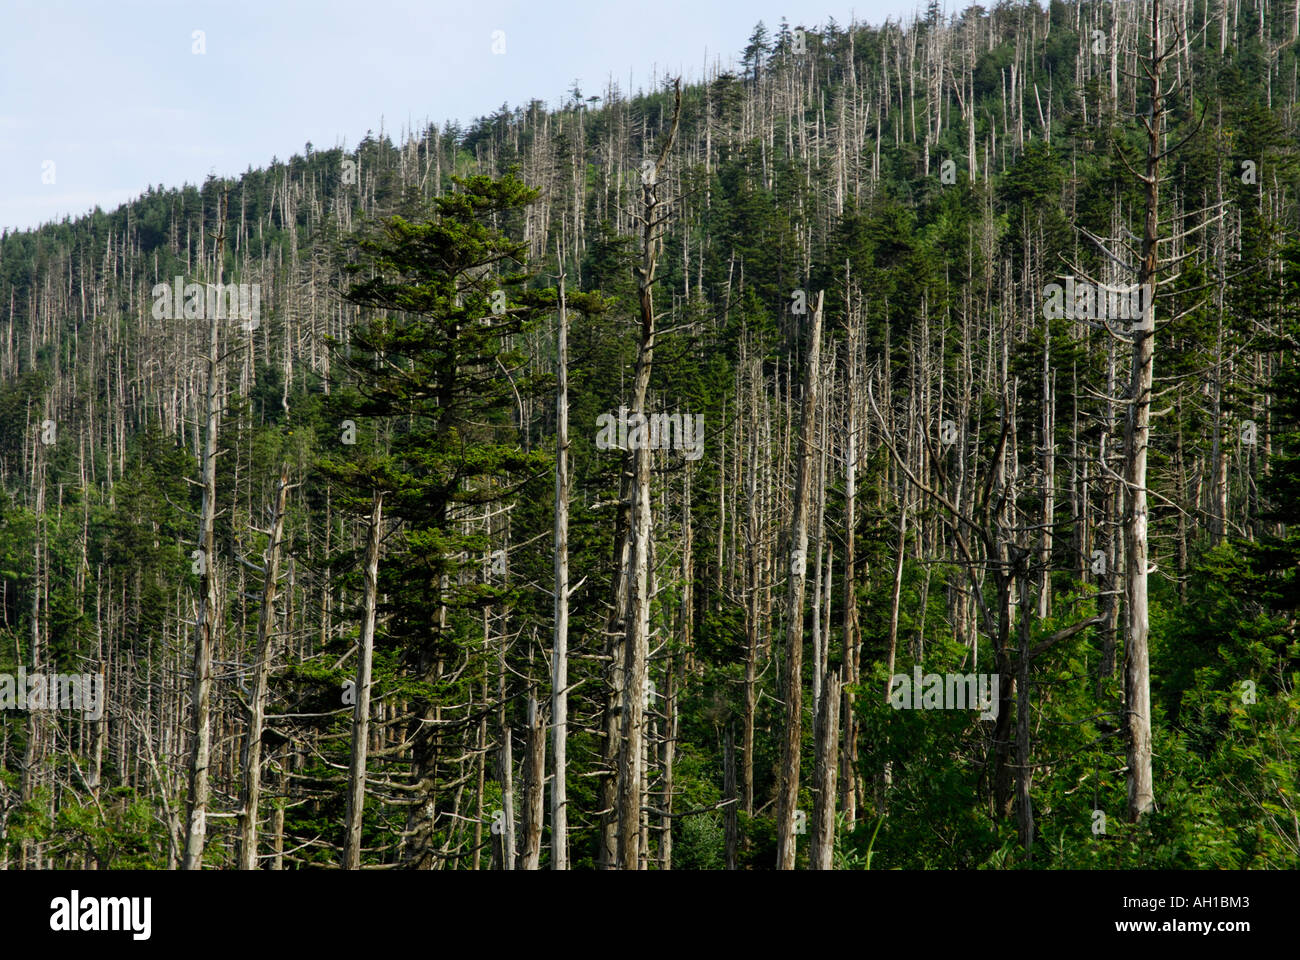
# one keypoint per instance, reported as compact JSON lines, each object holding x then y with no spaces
{"x":792,"y":687}
{"x":560,"y":649}
{"x":261,"y":680}
{"x":205,"y":625}
{"x":822,"y":850}
{"x":1137,"y":667}
{"x":361,"y":709}
{"x":636,"y":642}
{"x":530,"y":851}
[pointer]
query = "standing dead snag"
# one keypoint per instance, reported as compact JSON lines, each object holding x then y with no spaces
{"x":787,"y":797}
{"x":34,"y":765}
{"x":636,"y":554}
{"x":852,"y":634}
{"x":505,"y":752}
{"x":560,"y":651}
{"x":206,"y":623}
{"x":261,"y":679}
{"x":361,"y":711}
{"x":534,"y":770}
{"x":1137,"y":626}
{"x":1137,"y":429}
{"x":821,"y":855}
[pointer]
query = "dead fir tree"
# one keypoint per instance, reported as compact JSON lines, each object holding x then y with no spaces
{"x":632,"y":603}
{"x":788,"y":773}
{"x":206,"y":626}
{"x":1140,"y":335}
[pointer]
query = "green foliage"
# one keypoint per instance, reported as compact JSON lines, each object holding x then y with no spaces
{"x":444,"y":367}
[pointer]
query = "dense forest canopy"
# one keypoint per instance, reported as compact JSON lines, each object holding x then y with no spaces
{"x":883,"y":454}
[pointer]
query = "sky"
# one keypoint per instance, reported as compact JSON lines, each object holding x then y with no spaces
{"x":99,"y":100}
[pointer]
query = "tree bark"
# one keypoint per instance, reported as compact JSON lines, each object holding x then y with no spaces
{"x":534,"y":765}
{"x":822,"y":852}
{"x":361,"y":710}
{"x":637,"y":638}
{"x":261,"y":680}
{"x":206,"y":624}
{"x":1137,"y":668}
{"x":788,"y":775}
{"x":560,"y":649}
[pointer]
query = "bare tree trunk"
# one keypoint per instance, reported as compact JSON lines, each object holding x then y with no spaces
{"x":788,"y":774}
{"x":506,"y":765}
{"x":206,"y":623}
{"x":481,"y":750}
{"x":1113,"y":496}
{"x":34,"y":753}
{"x":534,"y":765}
{"x":261,"y":680}
{"x":1049,"y":477}
{"x":848,"y":773}
{"x":637,"y":638}
{"x":822,"y":852}
{"x":669,"y":757}
{"x":1137,"y":667}
{"x":361,"y":711}
{"x":730,"y":820}
{"x":753,"y":568}
{"x":560,"y":651}
{"x":1024,"y":770}
{"x":896,"y":597}
{"x":894,"y":604}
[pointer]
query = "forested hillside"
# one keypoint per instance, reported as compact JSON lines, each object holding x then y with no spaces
{"x":883,"y":455}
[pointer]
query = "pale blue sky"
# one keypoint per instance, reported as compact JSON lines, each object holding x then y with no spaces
{"x":113,"y":95}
